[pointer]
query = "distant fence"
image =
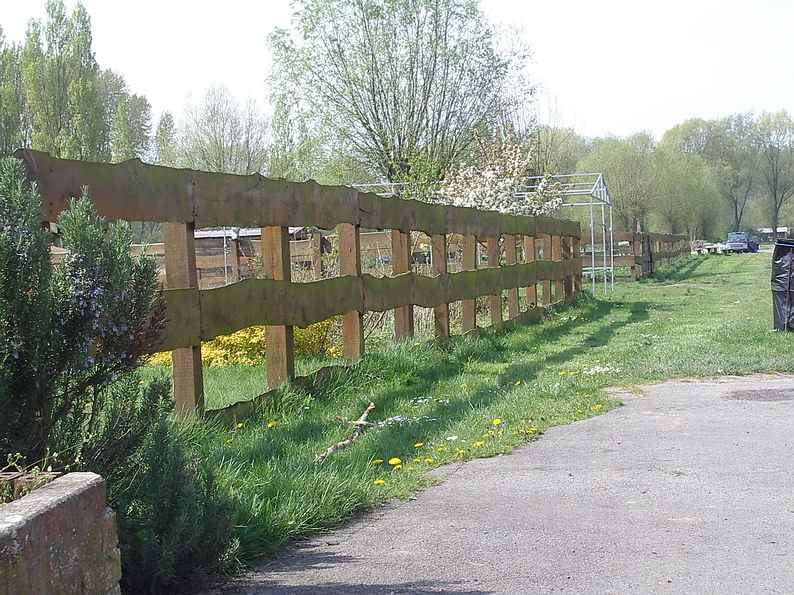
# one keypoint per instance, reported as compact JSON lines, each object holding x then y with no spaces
{"x":640,"y":253}
{"x":184,"y":200}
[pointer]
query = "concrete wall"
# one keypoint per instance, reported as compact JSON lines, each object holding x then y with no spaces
{"x":60,"y":539}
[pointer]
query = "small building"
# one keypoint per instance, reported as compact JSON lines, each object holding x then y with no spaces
{"x":765,"y":233}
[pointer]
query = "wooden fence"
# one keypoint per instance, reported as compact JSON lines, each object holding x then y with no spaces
{"x":641,"y":253}
{"x":184,"y":200}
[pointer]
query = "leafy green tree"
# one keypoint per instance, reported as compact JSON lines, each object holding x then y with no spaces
{"x":13,"y":133}
{"x":775,"y":140}
{"x":629,"y":169}
{"x":131,"y":128}
{"x":396,"y":78}
{"x":61,"y":82}
{"x":165,"y":142}
{"x":728,"y":147}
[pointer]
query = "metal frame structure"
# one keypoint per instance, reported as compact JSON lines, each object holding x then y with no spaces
{"x":593,"y":189}
{"x":588,"y":186}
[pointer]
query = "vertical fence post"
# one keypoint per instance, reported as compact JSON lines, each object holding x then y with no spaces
{"x":401,"y":263}
{"x":556,"y":256}
{"x":546,"y":247}
{"x":512,"y":293}
{"x":317,"y":254}
{"x":529,"y":256}
{"x":279,"y":341}
{"x":567,"y":249}
{"x":494,"y":301}
{"x":234,"y":258}
{"x":180,"y":272}
{"x":438,"y":243}
{"x":469,"y":264}
{"x":350,"y":264}
{"x":577,"y":277}
{"x":634,"y":256}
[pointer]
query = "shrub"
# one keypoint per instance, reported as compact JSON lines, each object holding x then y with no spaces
{"x":247,"y":346}
{"x":71,"y":337}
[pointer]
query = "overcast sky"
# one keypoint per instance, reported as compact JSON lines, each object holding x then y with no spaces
{"x":608,"y":67}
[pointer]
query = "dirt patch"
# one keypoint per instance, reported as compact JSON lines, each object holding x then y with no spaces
{"x":765,"y":395}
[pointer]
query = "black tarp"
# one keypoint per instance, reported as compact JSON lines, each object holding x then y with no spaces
{"x":783,"y":285}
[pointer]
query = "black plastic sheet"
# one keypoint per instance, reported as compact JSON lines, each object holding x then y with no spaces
{"x":783,"y":285}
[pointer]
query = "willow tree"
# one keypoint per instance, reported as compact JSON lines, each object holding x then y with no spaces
{"x":396,"y":78}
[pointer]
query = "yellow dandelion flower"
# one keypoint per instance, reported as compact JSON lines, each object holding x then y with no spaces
{"x":377,"y":461}
{"x":419,"y":445}
{"x":497,"y":421}
{"x":429,"y":460}
{"x":394,"y":461}
{"x":378,"y":482}
{"x":239,"y":425}
{"x":396,"y":467}
{"x":478,"y":444}
{"x":271,"y":423}
{"x":596,"y":408}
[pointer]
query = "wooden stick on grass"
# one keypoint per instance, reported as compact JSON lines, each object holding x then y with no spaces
{"x":361,"y":425}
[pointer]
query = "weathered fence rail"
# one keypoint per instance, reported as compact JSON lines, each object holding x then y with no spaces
{"x":641,"y":253}
{"x":184,"y":200}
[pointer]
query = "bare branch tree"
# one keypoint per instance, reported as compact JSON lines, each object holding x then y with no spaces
{"x":396,"y":78}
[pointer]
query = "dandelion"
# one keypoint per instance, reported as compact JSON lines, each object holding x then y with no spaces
{"x":596,"y":408}
{"x":419,"y":445}
{"x":378,"y":482}
{"x":461,"y":452}
{"x":396,"y":467}
{"x":478,"y":444}
{"x":377,"y":461}
{"x":394,"y":461}
{"x":429,"y":460}
{"x":239,"y":425}
{"x":271,"y":423}
{"x":497,"y":421}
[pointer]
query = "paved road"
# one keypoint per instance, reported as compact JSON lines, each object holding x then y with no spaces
{"x":687,"y":489}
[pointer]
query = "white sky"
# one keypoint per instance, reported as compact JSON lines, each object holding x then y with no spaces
{"x":607,"y":67}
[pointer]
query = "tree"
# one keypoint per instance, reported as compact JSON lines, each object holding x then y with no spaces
{"x":165,"y":141}
{"x":775,"y":141}
{"x":629,"y":170}
{"x":498,"y":171}
{"x":728,"y":147}
{"x":13,"y":132}
{"x":222,"y":135}
{"x":61,"y":83}
{"x":396,"y":78}
{"x":131,"y":128}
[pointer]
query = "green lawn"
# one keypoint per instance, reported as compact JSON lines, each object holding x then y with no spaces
{"x":481,"y":395}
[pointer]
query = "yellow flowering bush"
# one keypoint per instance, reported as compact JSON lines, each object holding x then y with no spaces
{"x":247,"y":346}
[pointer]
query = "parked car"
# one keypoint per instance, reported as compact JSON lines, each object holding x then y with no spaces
{"x":740,"y":241}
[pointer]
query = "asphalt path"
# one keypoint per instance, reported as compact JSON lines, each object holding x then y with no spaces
{"x":688,"y":488}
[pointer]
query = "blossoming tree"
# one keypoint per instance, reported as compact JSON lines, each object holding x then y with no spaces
{"x":496,"y":178}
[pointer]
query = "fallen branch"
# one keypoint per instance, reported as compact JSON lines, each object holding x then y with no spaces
{"x":360,"y":427}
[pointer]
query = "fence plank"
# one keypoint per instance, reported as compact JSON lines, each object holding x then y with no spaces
{"x":556,"y":256}
{"x":180,"y":270}
{"x":438,"y":244}
{"x":494,"y":301}
{"x":279,"y":340}
{"x":401,"y":263}
{"x":350,"y":265}
{"x":510,"y":259}
{"x":469,"y":264}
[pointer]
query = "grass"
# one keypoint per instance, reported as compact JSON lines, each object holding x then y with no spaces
{"x":479,"y":396}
